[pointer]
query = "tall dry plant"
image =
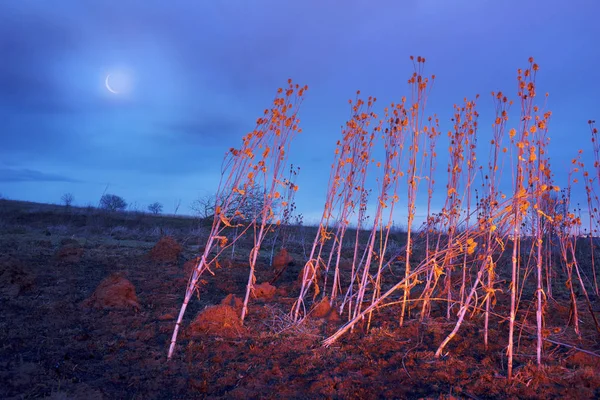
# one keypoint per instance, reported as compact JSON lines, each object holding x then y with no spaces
{"x":433,"y":134}
{"x":489,"y":208}
{"x":260,"y":159}
{"x":488,"y":219}
{"x":463,"y":124}
{"x":569,"y":232}
{"x":531,"y":224}
{"x":377,"y":245}
{"x":471,"y":125}
{"x":592,"y":200}
{"x":282,"y":231}
{"x":538,"y":180}
{"x":420,"y":87}
{"x":520,"y":203}
{"x":283,"y":126}
{"x":345,"y":192}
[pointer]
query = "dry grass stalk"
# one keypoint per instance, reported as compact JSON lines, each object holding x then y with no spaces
{"x":261,"y":158}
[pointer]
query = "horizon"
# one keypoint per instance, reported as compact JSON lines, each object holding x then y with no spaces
{"x":144,"y":102}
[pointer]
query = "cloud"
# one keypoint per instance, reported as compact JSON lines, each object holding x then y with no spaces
{"x":210,"y":130}
{"x":30,"y":175}
{"x":28,"y":56}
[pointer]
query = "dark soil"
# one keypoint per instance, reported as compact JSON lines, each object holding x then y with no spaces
{"x":99,"y":327}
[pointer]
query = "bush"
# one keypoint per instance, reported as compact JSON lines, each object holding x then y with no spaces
{"x":112,"y":202}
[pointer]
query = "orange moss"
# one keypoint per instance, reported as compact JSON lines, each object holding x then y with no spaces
{"x":115,"y":291}
{"x":166,"y":250}
{"x":264,"y":291}
{"x":221,"y":320}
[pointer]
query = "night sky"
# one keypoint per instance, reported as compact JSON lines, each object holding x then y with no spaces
{"x":193,"y":76}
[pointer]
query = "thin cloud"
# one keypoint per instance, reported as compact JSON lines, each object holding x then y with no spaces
{"x":30,"y":175}
{"x":211,"y":130}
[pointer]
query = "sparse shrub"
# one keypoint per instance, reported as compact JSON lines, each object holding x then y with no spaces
{"x":112,"y":202}
{"x":155,"y":208}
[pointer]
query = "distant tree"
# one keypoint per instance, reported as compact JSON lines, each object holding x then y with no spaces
{"x":204,"y":207}
{"x":112,"y":202}
{"x":67,"y":199}
{"x":249,"y":205}
{"x":155,"y":208}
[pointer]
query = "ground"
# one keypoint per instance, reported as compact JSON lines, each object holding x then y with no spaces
{"x":63,"y":337}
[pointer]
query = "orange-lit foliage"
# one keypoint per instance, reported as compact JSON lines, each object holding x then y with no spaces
{"x":485,"y":250}
{"x":501,"y":222}
{"x":261,"y":159}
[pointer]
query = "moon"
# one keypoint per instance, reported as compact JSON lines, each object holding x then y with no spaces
{"x":107,"y":84}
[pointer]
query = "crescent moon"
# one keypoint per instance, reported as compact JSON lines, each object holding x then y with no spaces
{"x":107,"y":84}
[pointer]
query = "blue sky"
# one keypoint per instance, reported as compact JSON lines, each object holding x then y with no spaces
{"x":193,"y":76}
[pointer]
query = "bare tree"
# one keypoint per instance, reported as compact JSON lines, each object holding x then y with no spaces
{"x":67,"y":199}
{"x":204,"y":207}
{"x":249,"y":205}
{"x":112,"y":202}
{"x":155,"y":208}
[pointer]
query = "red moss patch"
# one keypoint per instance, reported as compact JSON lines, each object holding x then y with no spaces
{"x":70,"y":252}
{"x":166,"y":250}
{"x":233,"y":301}
{"x":323,"y":310}
{"x":221,"y":320}
{"x":14,"y":278}
{"x":581,"y":359}
{"x":264,"y":291}
{"x":113,"y":292}
{"x":282,"y":260}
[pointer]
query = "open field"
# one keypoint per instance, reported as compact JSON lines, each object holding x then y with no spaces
{"x":281,"y":200}
{"x":57,"y":344}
